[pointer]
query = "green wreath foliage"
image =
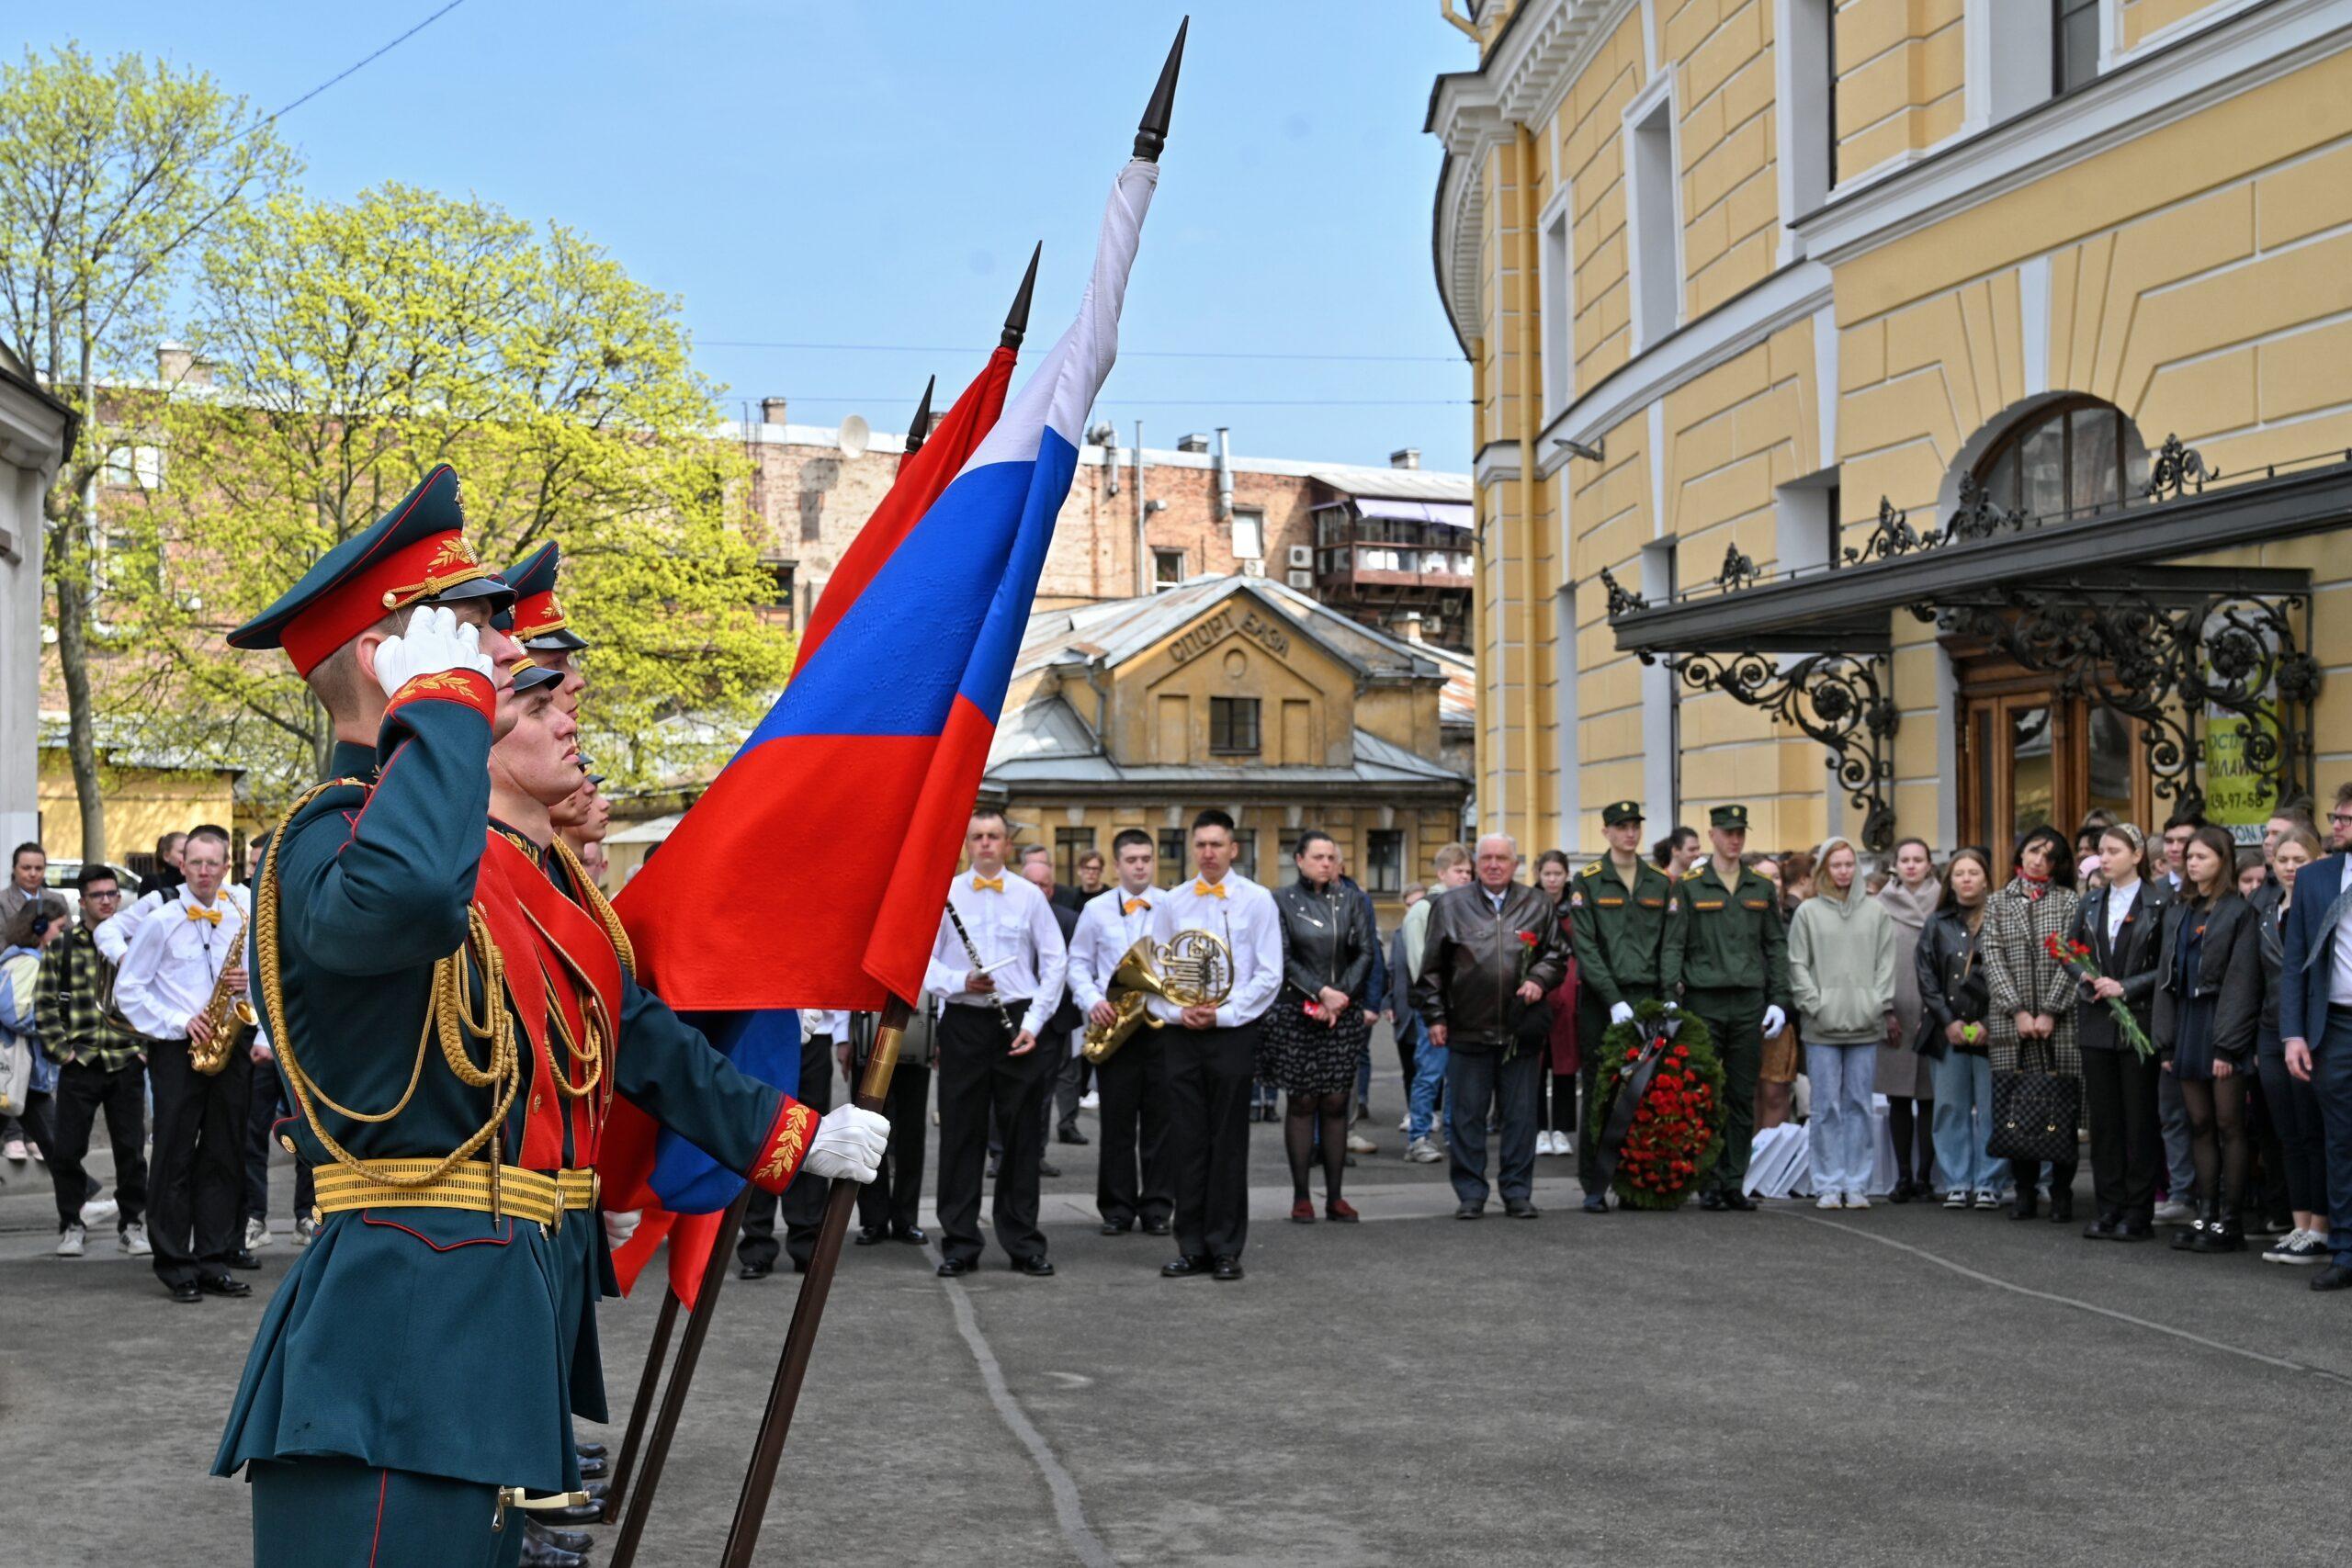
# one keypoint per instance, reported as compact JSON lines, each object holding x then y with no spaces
{"x":1678,"y":1128}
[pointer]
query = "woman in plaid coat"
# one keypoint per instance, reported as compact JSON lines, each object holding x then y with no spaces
{"x":2031,"y":1019}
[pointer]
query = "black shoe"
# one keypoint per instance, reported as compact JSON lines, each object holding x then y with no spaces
{"x":913,"y":1235}
{"x":755,"y":1270}
{"x":2137,"y":1227}
{"x":223,"y":1285}
{"x":1227,"y":1268}
{"x":2107,"y":1227}
{"x":593,"y":1468}
{"x":2062,"y":1206}
{"x":868,"y":1235}
{"x":592,"y":1511}
{"x":241,"y":1259}
{"x":2027,"y":1206}
{"x":956,"y":1268}
{"x":184,"y":1293}
{"x":1197,"y":1267}
{"x":1469,"y":1210}
{"x":2222,"y":1235}
{"x":1047,"y":1167}
{"x":1071,"y":1134}
{"x":1596,"y":1202}
{"x":537,"y":1553}
{"x":1117,"y":1228}
{"x":1036,"y":1268}
{"x":589,"y":1450}
{"x":1156,"y":1227}
{"x":566,"y":1541}
{"x":1519,"y":1208}
{"x":1902,"y":1191}
{"x":1737,"y":1202}
{"x":2334,"y":1277}
{"x":1710,"y":1200}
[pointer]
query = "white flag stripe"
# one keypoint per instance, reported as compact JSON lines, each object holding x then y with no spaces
{"x":1061,"y":390}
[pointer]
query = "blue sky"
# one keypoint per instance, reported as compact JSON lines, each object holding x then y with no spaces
{"x":875,"y":173}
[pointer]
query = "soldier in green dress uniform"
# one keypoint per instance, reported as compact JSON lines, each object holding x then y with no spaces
{"x":1622,"y":912}
{"x":410,"y":1368}
{"x":1735,"y":968}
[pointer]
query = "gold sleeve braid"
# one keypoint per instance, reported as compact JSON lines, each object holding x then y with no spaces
{"x":449,"y":1015}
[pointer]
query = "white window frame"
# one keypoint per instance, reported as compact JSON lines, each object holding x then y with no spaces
{"x":1650,"y":129}
{"x":1556,"y":259}
{"x":1255,"y":518}
{"x":1801,"y":64}
{"x":2011,"y":59}
{"x":1661,"y":699}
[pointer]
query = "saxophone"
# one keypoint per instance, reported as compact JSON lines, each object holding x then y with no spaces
{"x":226,"y":1014}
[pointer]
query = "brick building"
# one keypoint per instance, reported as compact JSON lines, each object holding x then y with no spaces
{"x":1379,"y":545}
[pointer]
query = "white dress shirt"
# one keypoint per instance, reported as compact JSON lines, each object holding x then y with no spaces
{"x":1011,"y":922}
{"x":174,"y":959}
{"x":114,"y":933}
{"x":834,"y":1026}
{"x":1245,"y":919}
{"x":2339,"y":982}
{"x":2120,"y":896}
{"x":1107,"y":927}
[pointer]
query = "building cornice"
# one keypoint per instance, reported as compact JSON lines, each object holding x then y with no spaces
{"x":35,"y":428}
{"x":2235,"y":54}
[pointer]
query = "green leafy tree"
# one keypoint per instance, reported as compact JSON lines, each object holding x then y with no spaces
{"x":108,"y":177}
{"x":351,"y":345}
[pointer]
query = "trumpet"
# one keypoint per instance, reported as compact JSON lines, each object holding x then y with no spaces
{"x":226,"y":1014}
{"x":1194,"y":968}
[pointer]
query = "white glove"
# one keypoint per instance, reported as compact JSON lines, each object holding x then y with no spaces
{"x":1774,"y":1021}
{"x":435,"y":642}
{"x":849,"y":1143}
{"x":1621,"y":1012}
{"x":619,"y":1225}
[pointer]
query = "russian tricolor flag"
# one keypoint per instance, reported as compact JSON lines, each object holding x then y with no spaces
{"x":876,"y":748}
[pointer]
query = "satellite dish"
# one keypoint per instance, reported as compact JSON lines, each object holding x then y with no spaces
{"x":855,"y":436}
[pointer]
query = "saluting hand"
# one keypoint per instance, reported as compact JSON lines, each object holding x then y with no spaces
{"x":434,"y":642}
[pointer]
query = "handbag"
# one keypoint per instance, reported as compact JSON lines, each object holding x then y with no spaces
{"x":2034,"y":1112}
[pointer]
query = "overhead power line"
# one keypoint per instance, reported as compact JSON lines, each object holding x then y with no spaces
{"x":357,"y":65}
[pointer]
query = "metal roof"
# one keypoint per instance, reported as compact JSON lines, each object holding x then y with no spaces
{"x":1045,"y":744}
{"x":1398,"y":484}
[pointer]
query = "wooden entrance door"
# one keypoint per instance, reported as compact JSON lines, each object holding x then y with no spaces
{"x":2029,"y":754}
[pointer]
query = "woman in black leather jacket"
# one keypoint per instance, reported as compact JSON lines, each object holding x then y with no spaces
{"x":2209,"y":1004}
{"x":1318,"y":1026}
{"x":1954,"y":999}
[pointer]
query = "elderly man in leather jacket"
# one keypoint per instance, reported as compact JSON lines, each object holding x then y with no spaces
{"x":1493,"y":949}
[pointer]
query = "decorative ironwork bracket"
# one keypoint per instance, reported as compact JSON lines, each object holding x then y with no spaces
{"x":2163,"y":666}
{"x":1623,"y":600}
{"x":1838,"y":699}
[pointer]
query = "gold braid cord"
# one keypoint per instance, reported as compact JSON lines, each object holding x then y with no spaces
{"x":453,"y":1012}
{"x":598,"y":905}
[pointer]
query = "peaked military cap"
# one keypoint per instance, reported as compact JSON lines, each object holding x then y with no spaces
{"x":414,"y":554}
{"x":540,"y":624}
{"x":1728,"y":817}
{"x":1618,"y":812}
{"x":530,"y":677}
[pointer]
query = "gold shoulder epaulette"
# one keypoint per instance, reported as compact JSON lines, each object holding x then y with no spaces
{"x":1593,"y":870}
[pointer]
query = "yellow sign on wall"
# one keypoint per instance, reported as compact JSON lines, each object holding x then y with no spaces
{"x":2236,"y":794}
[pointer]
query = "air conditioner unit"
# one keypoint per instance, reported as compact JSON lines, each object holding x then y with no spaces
{"x":1302,"y":555}
{"x":1251,"y":566}
{"x":1301,"y":580}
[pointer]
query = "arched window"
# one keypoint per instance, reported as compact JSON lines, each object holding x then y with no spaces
{"x":2076,"y":455}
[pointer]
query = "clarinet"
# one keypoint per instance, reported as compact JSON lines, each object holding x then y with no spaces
{"x":972,"y":949}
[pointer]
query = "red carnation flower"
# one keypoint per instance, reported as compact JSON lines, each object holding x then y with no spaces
{"x":1527,"y":939}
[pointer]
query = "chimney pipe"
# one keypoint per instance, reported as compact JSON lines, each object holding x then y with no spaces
{"x":1405,"y":458}
{"x":1412,"y":626}
{"x":177,"y":366}
{"x":770,"y":411}
{"x":1196,"y":444}
{"x":1224,"y":473}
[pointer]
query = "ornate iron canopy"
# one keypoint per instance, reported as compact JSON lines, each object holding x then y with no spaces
{"x":1838,"y":699}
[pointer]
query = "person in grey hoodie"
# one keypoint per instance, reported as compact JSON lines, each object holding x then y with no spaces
{"x":1841,"y":970}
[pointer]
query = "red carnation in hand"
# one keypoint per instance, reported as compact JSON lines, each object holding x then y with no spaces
{"x":1527,"y":939}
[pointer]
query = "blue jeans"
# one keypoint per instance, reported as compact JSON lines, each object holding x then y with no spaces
{"x":1964,"y":1120}
{"x":1840,"y":1141}
{"x":1429,"y":1073}
{"x":1474,"y":1080}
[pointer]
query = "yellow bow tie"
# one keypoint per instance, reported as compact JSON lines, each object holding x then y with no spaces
{"x":988,"y":883}
{"x":1208,"y":889}
{"x":1132,"y":904}
{"x":209,"y":917}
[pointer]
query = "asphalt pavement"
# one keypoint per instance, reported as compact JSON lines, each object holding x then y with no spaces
{"x":1784,"y":1387}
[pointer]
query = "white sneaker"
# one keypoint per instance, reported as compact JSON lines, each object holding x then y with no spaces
{"x":1988,"y":1198}
{"x":306,"y":1231}
{"x":14,"y":1149}
{"x":1956,"y":1199}
{"x":69,"y":1241}
{"x":99,"y":1211}
{"x":1405,"y":1122}
{"x":1827,"y":1200}
{"x":2173,"y":1211}
{"x":1359,"y":1144}
{"x":1423,"y":1152}
{"x":257,"y":1235}
{"x":1858,"y":1201}
{"x":134,"y":1239}
{"x":1089,"y":1100}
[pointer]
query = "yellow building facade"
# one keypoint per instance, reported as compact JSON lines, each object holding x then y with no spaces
{"x":1826,"y":357}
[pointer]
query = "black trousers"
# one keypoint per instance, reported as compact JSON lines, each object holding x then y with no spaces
{"x":1134,"y":1086}
{"x":200,"y":1169}
{"x":261,"y":1119}
{"x":978,"y":1078}
{"x":84,"y":1091}
{"x":803,"y":1201}
{"x":1069,"y":1086}
{"x":891,"y":1198}
{"x":2126,"y":1129}
{"x":1209,"y":1072}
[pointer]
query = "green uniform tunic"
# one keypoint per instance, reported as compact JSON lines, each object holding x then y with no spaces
{"x":1623,"y":936}
{"x":1734,"y":962}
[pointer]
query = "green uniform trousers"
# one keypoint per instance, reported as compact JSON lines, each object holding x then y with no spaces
{"x":1735,"y":1021}
{"x":334,"y":1511}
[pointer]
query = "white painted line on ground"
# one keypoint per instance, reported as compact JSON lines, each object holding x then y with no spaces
{"x":1069,"y":1511}
{"x":1980,"y":1277}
